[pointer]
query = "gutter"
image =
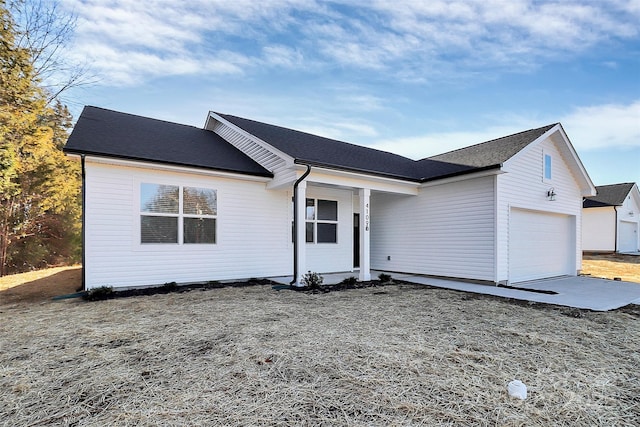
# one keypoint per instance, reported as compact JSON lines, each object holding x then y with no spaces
{"x":107,"y":156}
{"x":83,"y":233}
{"x":295,"y":223}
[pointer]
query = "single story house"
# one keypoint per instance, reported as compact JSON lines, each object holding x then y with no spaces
{"x":165,"y":202}
{"x":611,"y":219}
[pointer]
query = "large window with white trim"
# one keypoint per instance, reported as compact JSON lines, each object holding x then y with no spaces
{"x":321,"y":221}
{"x":177,"y":214}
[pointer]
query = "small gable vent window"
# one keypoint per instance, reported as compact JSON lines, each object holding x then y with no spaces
{"x":547,"y":167}
{"x":321,"y":221}
{"x":175,"y":214}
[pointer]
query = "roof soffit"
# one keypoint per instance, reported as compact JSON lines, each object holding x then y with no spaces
{"x":263,"y":144}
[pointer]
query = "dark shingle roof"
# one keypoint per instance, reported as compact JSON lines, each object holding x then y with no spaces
{"x":315,"y":150}
{"x":609,"y":195}
{"x":494,"y":152}
{"x":110,"y":133}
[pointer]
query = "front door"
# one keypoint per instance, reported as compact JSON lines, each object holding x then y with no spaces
{"x":356,"y":240}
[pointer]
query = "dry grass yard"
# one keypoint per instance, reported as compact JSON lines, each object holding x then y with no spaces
{"x":609,"y":266}
{"x":398,"y":355}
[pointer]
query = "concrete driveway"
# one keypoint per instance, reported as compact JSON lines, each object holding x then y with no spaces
{"x":578,"y":292}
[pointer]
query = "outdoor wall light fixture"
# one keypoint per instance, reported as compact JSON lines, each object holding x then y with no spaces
{"x":551,"y":194}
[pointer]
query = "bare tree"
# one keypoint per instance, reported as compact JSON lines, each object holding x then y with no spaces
{"x":45,"y":30}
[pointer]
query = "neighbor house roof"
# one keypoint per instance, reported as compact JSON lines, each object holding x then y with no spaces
{"x":102,"y":132}
{"x":494,"y":152}
{"x":311,"y":149}
{"x":609,"y":195}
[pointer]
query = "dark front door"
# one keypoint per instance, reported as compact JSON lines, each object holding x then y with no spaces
{"x":356,"y":240}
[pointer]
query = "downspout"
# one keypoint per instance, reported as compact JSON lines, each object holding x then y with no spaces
{"x":295,"y":223}
{"x":83,"y":234}
{"x":615,"y":235}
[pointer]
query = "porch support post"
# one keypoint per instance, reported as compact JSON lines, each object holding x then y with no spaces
{"x":365,"y":225}
{"x":300,"y":212}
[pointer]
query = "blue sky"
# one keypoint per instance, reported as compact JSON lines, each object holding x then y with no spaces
{"x":416,"y":78}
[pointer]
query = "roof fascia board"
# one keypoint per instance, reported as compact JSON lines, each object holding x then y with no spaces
{"x":635,"y":193}
{"x":213,"y":116}
{"x":357,"y":172}
{"x":590,"y":189}
{"x":170,"y":168}
{"x":330,"y":176}
{"x":489,"y":171}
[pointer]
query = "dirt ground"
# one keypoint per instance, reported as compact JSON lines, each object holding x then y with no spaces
{"x":40,"y":286}
{"x":396,"y":355}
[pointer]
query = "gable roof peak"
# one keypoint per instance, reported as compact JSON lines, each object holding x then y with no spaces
{"x":609,"y":195}
{"x":495,"y":151}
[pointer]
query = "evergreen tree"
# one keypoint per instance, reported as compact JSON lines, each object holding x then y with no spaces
{"x":39,"y":186}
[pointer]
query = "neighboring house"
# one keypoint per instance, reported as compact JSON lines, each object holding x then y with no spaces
{"x":171,"y":203}
{"x":611,"y":219}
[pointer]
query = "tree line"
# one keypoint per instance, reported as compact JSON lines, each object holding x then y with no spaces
{"x":40,"y":200}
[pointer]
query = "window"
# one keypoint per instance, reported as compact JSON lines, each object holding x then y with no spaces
{"x":321,"y":221}
{"x":175,"y":214}
{"x":547,"y":167}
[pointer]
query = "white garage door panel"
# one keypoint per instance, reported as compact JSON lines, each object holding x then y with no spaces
{"x":540,"y":245}
{"x":628,"y":233}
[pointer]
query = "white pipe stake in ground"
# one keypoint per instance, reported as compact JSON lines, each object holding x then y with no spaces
{"x":517,"y":389}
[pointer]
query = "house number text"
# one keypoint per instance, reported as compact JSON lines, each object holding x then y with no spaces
{"x":366,"y":217}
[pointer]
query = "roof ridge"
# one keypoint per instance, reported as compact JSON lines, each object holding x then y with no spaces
{"x":142,"y":117}
{"x":316,"y":136}
{"x":611,"y":185}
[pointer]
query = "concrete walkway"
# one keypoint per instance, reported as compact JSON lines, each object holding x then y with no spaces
{"x":578,"y":292}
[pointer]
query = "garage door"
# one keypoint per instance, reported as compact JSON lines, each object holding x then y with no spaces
{"x":541,"y":244}
{"x":628,"y":232}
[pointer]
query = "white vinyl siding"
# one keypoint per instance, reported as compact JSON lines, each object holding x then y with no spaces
{"x":446,"y":230}
{"x":252,"y":239}
{"x":522,"y":186}
{"x":599,"y":229}
{"x":629,"y":222}
{"x":603,"y":226}
{"x":333,"y":257}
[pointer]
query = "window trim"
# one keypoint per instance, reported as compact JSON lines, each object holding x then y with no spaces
{"x":315,"y":221}
{"x":180,"y":215}
{"x":546,"y":155}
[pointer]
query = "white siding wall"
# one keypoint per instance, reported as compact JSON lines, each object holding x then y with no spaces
{"x":253,"y":231}
{"x":446,"y":230}
{"x":598,"y":229}
{"x":523,"y":187}
{"x":629,"y":225}
{"x":333,"y":257}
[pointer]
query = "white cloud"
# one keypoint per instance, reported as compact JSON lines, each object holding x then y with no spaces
{"x":609,"y":126}
{"x":604,"y":126}
{"x":412,"y":40}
